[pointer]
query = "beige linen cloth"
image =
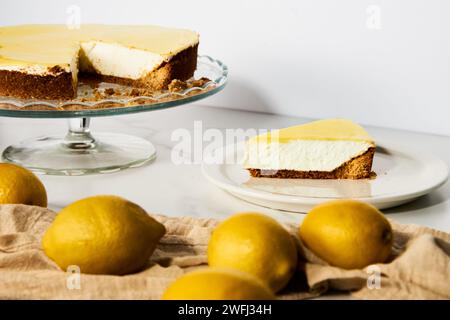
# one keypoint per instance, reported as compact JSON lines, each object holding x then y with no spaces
{"x":419,"y":268}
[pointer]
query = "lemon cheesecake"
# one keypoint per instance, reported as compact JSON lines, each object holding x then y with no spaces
{"x":324,"y":149}
{"x":45,"y":61}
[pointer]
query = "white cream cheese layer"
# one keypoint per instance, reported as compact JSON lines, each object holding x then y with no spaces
{"x":303,"y":155}
{"x":119,"y":61}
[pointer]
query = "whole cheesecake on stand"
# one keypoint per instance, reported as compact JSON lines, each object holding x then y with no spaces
{"x":45,"y":61}
{"x":324,"y":149}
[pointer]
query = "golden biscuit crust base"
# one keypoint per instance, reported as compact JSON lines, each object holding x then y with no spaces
{"x":28,"y":86}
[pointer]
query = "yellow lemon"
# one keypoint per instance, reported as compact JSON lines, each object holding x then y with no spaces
{"x":20,"y":186}
{"x":218,"y":284}
{"x":348,"y":234}
{"x":102,"y":235}
{"x":257,"y":244}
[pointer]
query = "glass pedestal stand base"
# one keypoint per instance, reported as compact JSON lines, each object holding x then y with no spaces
{"x":80,"y":153}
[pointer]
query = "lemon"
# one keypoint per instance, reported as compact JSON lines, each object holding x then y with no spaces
{"x":257,"y":244}
{"x":102,"y":235}
{"x":21,"y":186}
{"x":348,"y":234}
{"x":218,"y":284}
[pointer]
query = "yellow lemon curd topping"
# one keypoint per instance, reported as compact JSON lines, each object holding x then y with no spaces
{"x":327,"y":129}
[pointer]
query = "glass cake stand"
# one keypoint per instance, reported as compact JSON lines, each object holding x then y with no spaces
{"x":79,"y":152}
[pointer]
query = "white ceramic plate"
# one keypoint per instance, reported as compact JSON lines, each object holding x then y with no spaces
{"x":402,"y":175}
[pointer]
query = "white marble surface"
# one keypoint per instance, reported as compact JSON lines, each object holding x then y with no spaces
{"x":164,"y":188}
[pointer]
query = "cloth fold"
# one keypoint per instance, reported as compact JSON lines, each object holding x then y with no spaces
{"x":418,"y":269}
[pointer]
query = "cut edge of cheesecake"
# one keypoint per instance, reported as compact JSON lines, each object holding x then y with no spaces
{"x":181,"y":67}
{"x":60,"y":82}
{"x":322,"y":131}
{"x":359,"y":167}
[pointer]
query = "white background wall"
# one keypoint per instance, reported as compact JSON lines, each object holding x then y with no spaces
{"x":380,"y":62}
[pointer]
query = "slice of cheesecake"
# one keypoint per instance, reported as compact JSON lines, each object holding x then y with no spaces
{"x":324,"y":149}
{"x":45,"y":61}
